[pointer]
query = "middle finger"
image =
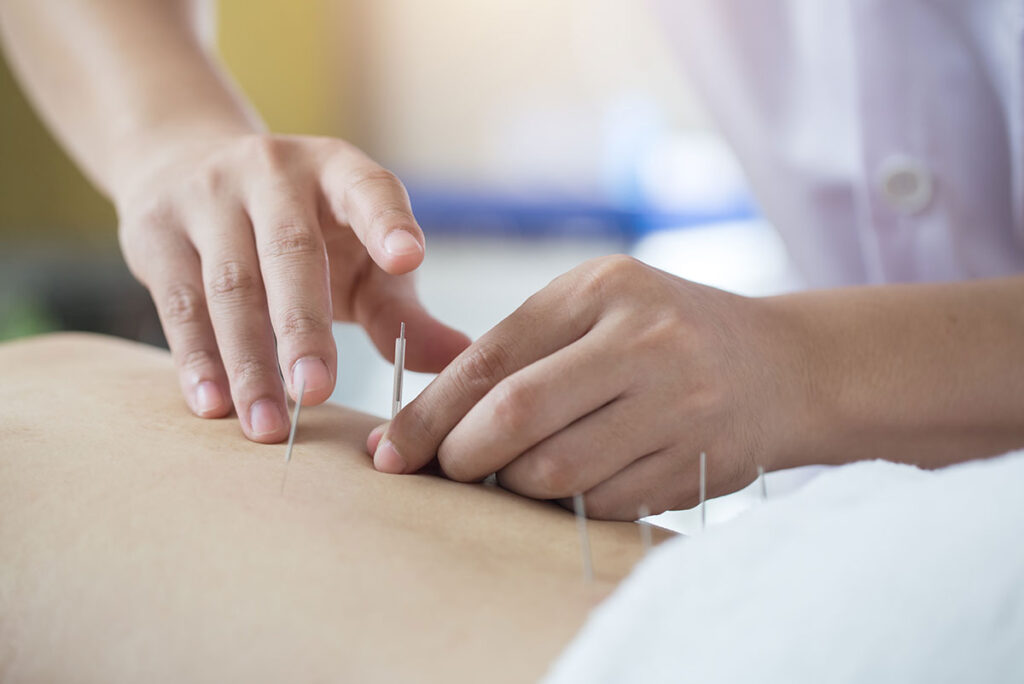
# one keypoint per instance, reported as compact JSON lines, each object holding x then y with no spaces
{"x":238,"y":311}
{"x":531,"y":405}
{"x":293,"y":264}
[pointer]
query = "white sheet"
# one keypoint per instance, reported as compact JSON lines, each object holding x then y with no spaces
{"x":874,"y":572}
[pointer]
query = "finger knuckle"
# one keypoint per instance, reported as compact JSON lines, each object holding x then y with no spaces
{"x":512,"y":404}
{"x":300,"y":322}
{"x":553,"y":477}
{"x":182,"y":304}
{"x":607,"y":274}
{"x":392,"y":214}
{"x":615,"y":265}
{"x":136,"y":231}
{"x":269,"y":152}
{"x":232,"y":280}
{"x":197,"y":359}
{"x":210,"y":180}
{"x":153,"y":211}
{"x":293,"y":239}
{"x":481,"y":365}
{"x":370,"y":176}
{"x":660,"y":333}
{"x":248,"y":370}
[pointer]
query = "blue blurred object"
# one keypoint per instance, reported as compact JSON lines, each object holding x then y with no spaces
{"x":653,"y":178}
{"x":446,"y":212}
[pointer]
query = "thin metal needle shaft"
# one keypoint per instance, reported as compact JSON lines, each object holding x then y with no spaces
{"x":581,"y":526}
{"x":291,"y":434}
{"x":396,"y":398}
{"x":703,"y":490}
{"x":764,"y":485}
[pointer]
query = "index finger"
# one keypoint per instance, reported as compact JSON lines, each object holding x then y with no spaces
{"x":375,"y":204}
{"x":545,"y":323}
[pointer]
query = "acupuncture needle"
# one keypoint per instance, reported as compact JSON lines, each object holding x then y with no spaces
{"x":764,"y":485}
{"x":581,"y":525}
{"x":645,"y":529}
{"x":703,"y":490}
{"x":291,"y":434}
{"x":396,"y":399}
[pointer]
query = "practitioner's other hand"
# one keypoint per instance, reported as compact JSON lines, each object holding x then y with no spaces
{"x":244,"y":239}
{"x":610,"y":382}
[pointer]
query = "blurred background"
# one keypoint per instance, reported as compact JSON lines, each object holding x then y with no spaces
{"x":532,"y":134}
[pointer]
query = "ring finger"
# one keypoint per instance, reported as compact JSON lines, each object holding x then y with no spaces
{"x":654,"y":484}
{"x":176,"y":286}
{"x":584,"y":454}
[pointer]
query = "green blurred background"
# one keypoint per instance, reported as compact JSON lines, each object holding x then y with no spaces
{"x":59,"y":263}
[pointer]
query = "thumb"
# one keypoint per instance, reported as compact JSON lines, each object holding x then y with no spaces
{"x":389,"y":301}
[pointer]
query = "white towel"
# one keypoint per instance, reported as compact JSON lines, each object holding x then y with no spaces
{"x":874,"y":572}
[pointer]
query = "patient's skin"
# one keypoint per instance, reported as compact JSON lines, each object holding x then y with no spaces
{"x":138,"y":544}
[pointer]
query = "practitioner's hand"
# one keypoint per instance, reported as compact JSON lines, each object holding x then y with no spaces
{"x":246,"y":237}
{"x":610,"y":382}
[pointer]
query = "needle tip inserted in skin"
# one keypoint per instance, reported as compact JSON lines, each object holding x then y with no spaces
{"x":295,"y":420}
{"x":581,"y":525}
{"x":291,"y":433}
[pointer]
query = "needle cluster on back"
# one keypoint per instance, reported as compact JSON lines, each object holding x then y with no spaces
{"x":579,"y":505}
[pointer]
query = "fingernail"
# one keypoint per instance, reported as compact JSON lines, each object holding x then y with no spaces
{"x":208,"y":398}
{"x":265,"y":418}
{"x":387,"y":459}
{"x":374,"y":438}
{"x":400,"y":242}
{"x":314,"y":372}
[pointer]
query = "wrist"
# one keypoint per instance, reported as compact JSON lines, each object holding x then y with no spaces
{"x":807,"y":385}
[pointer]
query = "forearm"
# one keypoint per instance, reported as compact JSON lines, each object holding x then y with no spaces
{"x":924,"y":374}
{"x":115,"y":80}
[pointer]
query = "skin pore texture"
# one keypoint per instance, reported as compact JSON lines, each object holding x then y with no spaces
{"x":138,"y":543}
